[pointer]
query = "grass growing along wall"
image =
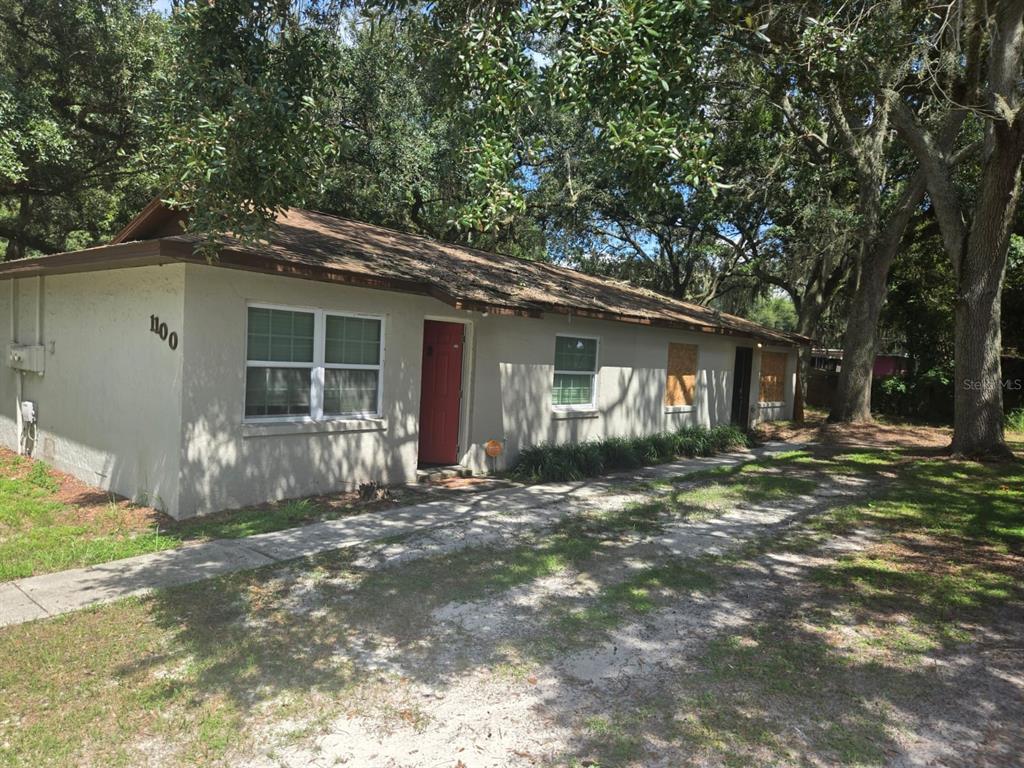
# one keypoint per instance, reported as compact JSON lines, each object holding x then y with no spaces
{"x":575,"y":461}
{"x":40,"y":532}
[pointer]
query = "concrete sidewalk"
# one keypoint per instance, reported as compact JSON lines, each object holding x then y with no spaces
{"x":56,"y":593}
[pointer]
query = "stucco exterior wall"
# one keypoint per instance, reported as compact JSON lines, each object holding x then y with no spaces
{"x":227,"y":463}
{"x":109,"y":401}
{"x":507,"y":378}
{"x":515,"y":369}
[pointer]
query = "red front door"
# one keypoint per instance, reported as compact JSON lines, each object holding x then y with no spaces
{"x":441,"y":392}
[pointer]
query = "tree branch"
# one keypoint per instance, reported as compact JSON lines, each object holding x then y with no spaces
{"x":932,"y":154}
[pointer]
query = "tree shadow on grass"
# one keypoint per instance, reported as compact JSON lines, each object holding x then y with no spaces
{"x":982,"y":502}
{"x":786,"y":684}
{"x":829,"y":673}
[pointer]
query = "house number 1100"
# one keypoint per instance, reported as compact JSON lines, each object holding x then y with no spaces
{"x":160,"y":329}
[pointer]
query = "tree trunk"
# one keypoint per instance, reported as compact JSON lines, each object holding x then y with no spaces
{"x":853,"y":396}
{"x":16,"y":242}
{"x":15,"y":250}
{"x":978,"y":402}
{"x":978,"y":412}
{"x":675,"y":275}
{"x":860,"y":341}
{"x":798,"y":397}
{"x":811,"y":309}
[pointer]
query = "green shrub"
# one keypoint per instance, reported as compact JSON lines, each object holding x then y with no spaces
{"x":925,"y":396}
{"x":726,"y":437}
{"x":1015,"y":420}
{"x":660,"y":448}
{"x":619,"y":453}
{"x":692,"y":441}
{"x":575,"y":461}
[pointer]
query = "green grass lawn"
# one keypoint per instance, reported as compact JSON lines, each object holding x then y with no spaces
{"x":198,"y":673}
{"x":39,"y":533}
{"x":948,"y":564}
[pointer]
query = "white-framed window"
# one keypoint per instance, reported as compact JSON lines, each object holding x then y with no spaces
{"x":311,"y":363}
{"x":575,"y":382}
{"x":353,"y":353}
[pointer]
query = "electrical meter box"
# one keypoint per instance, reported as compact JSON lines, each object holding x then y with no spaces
{"x":27,"y":357}
{"x":28,"y":412}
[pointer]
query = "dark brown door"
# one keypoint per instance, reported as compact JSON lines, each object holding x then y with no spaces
{"x":741,"y":387}
{"x":441,"y":392}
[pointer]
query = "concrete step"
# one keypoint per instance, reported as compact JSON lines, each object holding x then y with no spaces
{"x":438,"y":474}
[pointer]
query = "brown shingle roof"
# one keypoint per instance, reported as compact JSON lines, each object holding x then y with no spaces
{"x":472,"y":278}
{"x":325,"y":247}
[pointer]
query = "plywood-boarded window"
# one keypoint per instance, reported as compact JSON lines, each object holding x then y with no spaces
{"x":773,"y":377}
{"x":681,"y":379}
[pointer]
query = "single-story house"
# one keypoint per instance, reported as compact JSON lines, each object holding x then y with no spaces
{"x":338,"y":353}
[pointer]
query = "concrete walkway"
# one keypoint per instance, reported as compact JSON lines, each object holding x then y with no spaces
{"x":56,"y":593}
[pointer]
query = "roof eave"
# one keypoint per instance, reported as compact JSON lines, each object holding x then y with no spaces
{"x":663,"y":323}
{"x":134,"y":254}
